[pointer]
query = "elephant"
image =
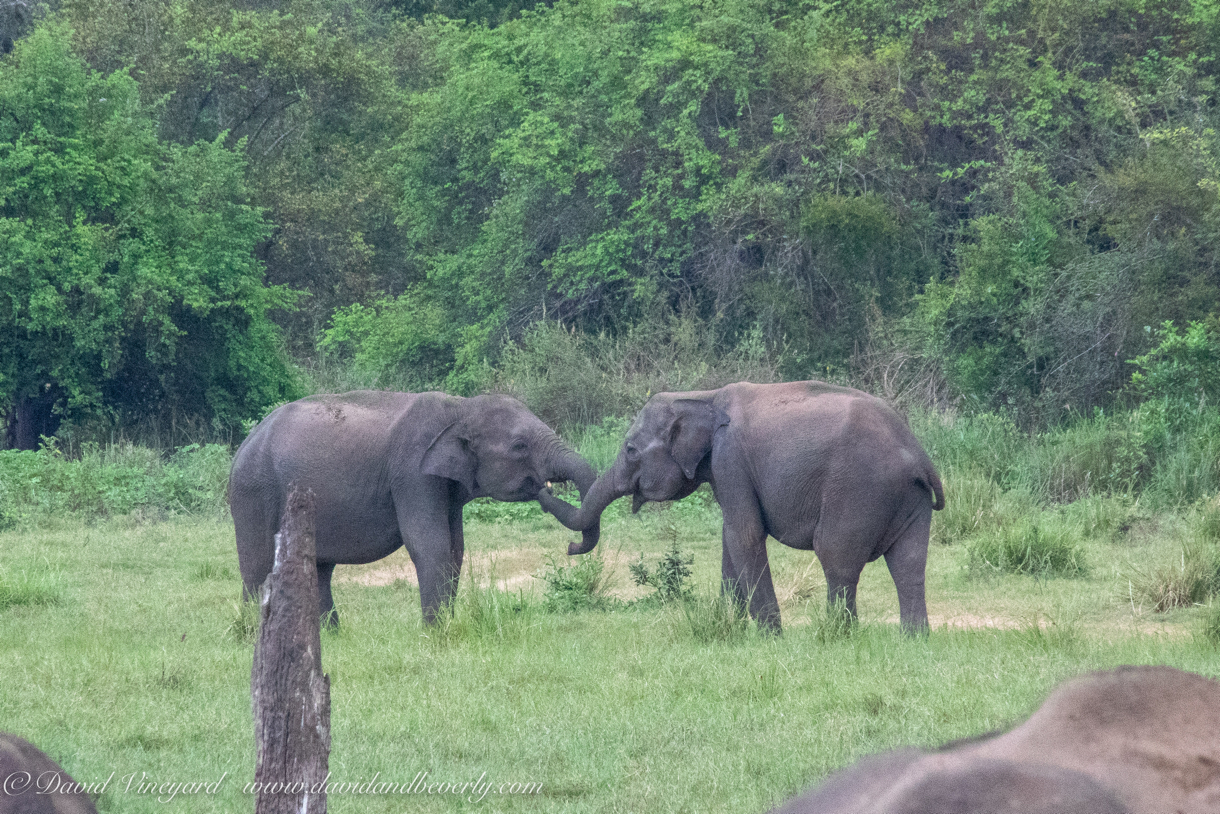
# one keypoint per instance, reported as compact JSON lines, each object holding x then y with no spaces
{"x":814,"y":465}
{"x":390,"y":469}
{"x":32,"y":783}
{"x":1137,"y":740}
{"x":909,"y":781}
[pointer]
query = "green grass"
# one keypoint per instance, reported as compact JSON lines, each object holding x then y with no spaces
{"x":138,"y":667}
{"x":126,"y":650}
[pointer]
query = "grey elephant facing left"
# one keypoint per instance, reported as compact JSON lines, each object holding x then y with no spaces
{"x":387,"y":470}
{"x":32,"y":783}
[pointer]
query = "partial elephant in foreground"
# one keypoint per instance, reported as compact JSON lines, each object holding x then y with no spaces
{"x":391,"y":469}
{"x":813,"y":465}
{"x":1135,"y":740}
{"x":32,"y":783}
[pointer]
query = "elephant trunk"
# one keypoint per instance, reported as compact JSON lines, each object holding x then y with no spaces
{"x":564,"y":464}
{"x":605,"y":490}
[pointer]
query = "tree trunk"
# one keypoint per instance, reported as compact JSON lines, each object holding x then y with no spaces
{"x":291,"y":695}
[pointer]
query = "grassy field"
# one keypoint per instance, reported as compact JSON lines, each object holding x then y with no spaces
{"x":124,"y":658}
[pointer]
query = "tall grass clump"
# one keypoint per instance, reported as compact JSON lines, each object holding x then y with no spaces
{"x":1098,"y":455}
{"x":1047,"y":549}
{"x":985,"y":444}
{"x":1209,"y":627}
{"x":720,"y":618}
{"x":1190,"y":579}
{"x":484,"y":612}
{"x":36,"y":587}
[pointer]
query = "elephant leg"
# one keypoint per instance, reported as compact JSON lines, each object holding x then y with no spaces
{"x":457,"y":538}
{"x":326,"y":601}
{"x":744,"y":568}
{"x":255,"y":521}
{"x":907,"y":560}
{"x":426,"y":531}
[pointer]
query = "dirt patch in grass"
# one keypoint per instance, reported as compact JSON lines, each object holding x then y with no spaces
{"x":512,"y":570}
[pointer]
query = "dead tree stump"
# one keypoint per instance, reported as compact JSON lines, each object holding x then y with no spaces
{"x":291,"y":694}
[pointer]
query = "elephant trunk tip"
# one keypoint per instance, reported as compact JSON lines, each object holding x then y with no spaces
{"x":588,"y":542}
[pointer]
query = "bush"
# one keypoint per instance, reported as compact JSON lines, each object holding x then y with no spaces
{"x":113,"y":480}
{"x":1027,"y":548}
{"x":671,"y":578}
{"x":578,"y":586}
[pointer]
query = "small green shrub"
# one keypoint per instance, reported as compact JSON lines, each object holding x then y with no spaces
{"x":1028,"y":548}
{"x":671,"y":578}
{"x":578,"y":586}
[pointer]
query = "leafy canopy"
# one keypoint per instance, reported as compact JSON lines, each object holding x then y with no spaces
{"x":126,"y":263}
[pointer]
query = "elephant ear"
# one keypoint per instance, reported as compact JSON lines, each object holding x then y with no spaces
{"x":449,"y":456}
{"x":694,"y":427}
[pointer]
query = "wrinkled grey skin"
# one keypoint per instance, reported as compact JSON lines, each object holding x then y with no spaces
{"x":817,"y":467}
{"x":1137,"y":740}
{"x":25,"y":770}
{"x":909,"y":781}
{"x":391,"y":469}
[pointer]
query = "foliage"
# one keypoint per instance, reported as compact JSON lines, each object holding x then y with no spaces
{"x":975,"y":205}
{"x":577,"y":586}
{"x":1182,"y":371}
{"x":37,"y":487}
{"x":571,"y":379}
{"x":126,"y":262}
{"x":670,"y":579}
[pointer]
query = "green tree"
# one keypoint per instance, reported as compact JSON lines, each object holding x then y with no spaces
{"x":129,"y":282}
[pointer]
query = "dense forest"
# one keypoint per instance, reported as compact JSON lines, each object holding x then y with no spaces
{"x":210,"y":207}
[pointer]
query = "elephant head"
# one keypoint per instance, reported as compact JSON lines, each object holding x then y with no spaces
{"x":495,"y":447}
{"x":659,"y":460}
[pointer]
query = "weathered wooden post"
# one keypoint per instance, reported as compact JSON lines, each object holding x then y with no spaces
{"x":291,"y":694}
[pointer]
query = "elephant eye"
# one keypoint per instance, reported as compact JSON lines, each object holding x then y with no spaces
{"x":632,"y":452}
{"x":520,"y":446}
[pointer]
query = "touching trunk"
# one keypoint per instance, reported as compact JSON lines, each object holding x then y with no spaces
{"x":567,"y":465}
{"x":604,"y":492}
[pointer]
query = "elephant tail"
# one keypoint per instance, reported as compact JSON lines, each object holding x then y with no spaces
{"x":931,"y":481}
